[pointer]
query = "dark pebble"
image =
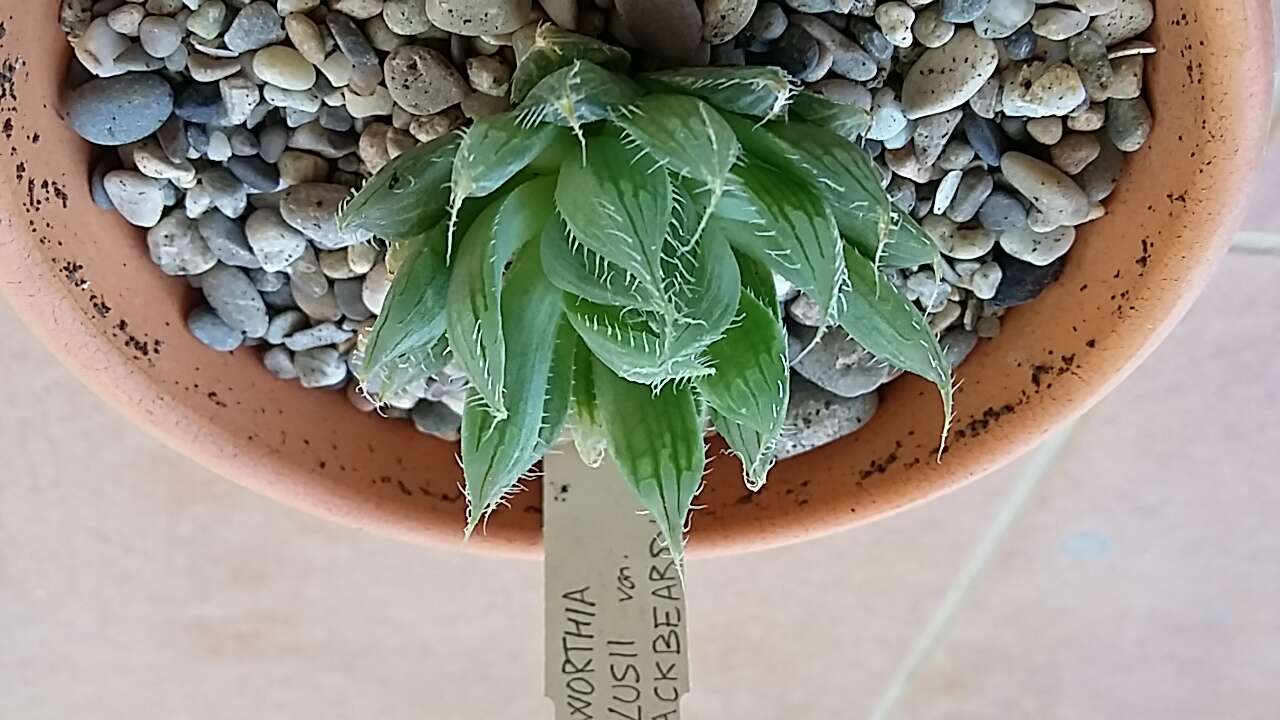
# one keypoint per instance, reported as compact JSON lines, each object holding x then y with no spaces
{"x":1021,"y":44}
{"x":1002,"y":211}
{"x":200,"y":103}
{"x":796,"y":51}
{"x":985,"y":137}
{"x":963,"y":11}
{"x":255,"y":172}
{"x":1023,"y":282}
{"x":350,"y":40}
{"x":97,"y":190}
{"x":173,"y":139}
{"x":198,"y":138}
{"x":872,"y":40}
{"x":120,"y":110}
{"x":766,"y":25}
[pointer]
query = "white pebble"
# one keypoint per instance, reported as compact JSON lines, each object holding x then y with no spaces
{"x":895,"y":20}
{"x":1038,"y":248}
{"x":986,"y":280}
{"x":284,"y":67}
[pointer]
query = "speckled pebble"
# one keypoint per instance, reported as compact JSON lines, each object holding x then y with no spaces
{"x":320,"y":367}
{"x":231,"y":293}
{"x":946,"y":77}
{"x":816,"y":417}
{"x":120,"y":110}
{"x":1038,"y":248}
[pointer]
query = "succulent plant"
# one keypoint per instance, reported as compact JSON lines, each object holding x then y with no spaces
{"x":603,"y":257}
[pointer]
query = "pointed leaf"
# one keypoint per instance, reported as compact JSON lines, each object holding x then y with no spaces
{"x":705,"y":286}
{"x":576,"y":96}
{"x":657,"y":440}
{"x":750,"y":384}
{"x":493,"y":151}
{"x":791,"y":229}
{"x":754,"y":449}
{"x":850,"y":183}
{"x":407,"y":196}
{"x":685,"y":135}
{"x":619,"y":205}
{"x":576,"y":269}
{"x":761,"y":92}
{"x":847,"y":121}
{"x":413,"y":366}
{"x":474,"y":307}
{"x":496,"y":452}
{"x":627,"y":341}
{"x":588,"y":425}
{"x":413,"y":315}
{"x":757,"y":281}
{"x":554,"y":48}
{"x":882,"y":320}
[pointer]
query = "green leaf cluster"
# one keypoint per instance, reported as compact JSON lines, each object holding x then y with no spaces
{"x":603,"y":257}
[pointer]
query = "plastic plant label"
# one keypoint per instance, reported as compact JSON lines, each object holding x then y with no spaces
{"x":616,"y":642}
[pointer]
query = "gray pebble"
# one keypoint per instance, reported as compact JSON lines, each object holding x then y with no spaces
{"x":1002,"y":211}
{"x":320,"y":368}
{"x":1100,"y":177}
{"x":160,"y":36}
{"x":422,"y":80}
{"x":317,"y":336}
{"x":312,"y":208}
{"x":985,"y":138}
{"x":437,"y":420}
{"x":974,"y":189}
{"x":1021,"y":45}
{"x":256,"y":26}
{"x":120,"y":110}
{"x":275,"y":243}
{"x":848,"y":59}
{"x":872,"y":40}
{"x":279,"y":299}
{"x":226,"y":238}
{"x":97,"y":185}
{"x":350,"y":296}
{"x":957,"y":345}
{"x":670,"y":30}
{"x":312,"y":137}
{"x":231,"y":293}
{"x":267,"y":281}
{"x":1129,"y":123}
{"x":138,"y":198}
{"x":285,"y":324}
{"x":279,"y":362}
{"x":962,"y":11}
{"x":351,"y":41}
{"x":840,"y":365}
{"x":816,"y":417}
{"x":210,"y":329}
{"x":255,"y":173}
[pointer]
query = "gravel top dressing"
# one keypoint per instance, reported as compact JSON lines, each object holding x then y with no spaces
{"x":234,"y":132}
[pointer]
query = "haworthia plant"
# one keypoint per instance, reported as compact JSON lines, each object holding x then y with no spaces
{"x":603,"y":257}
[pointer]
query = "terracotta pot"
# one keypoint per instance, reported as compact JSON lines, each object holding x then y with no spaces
{"x":81,"y":279}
